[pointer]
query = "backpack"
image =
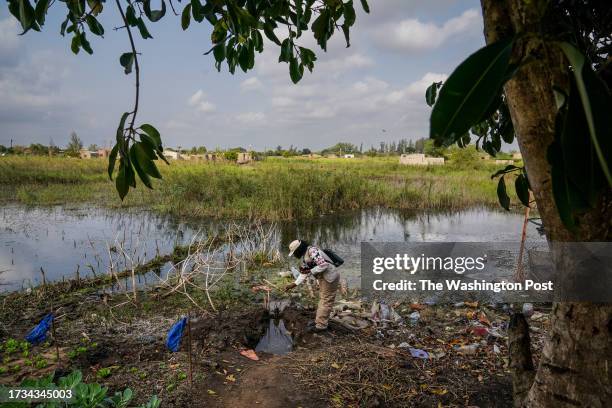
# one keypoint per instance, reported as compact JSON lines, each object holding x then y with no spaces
{"x":335,"y":259}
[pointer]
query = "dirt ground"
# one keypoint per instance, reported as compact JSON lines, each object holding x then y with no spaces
{"x":369,"y":367}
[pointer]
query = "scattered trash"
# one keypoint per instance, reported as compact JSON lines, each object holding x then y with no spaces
{"x":250,"y":354}
{"x":418,"y":353}
{"x":479,"y":331}
{"x":468,"y":349}
{"x":414,"y":318}
{"x":527,"y":310}
{"x":403,"y":345}
{"x":496,"y":349}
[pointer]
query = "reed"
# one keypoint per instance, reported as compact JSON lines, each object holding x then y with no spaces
{"x":273,"y":189}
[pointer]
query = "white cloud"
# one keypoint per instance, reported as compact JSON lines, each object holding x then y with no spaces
{"x":251,"y":84}
{"x":251,"y":118}
{"x":413,"y":35}
{"x":198,"y":101}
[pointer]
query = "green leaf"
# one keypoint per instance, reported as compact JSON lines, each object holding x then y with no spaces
{"x":75,"y":44}
{"x":592,"y":93}
{"x":469,"y":91}
{"x":26,"y":15}
{"x":112,"y":158}
{"x":63,"y":26}
{"x":502,"y":195}
{"x":296,"y":70}
{"x":137,"y":163}
{"x":349,"y":14}
{"x":286,"y":53}
{"x":121,"y":182}
{"x":347,"y":34}
{"x":198,"y":10}
{"x":269,"y":32}
{"x":127,"y":60}
{"x":365,"y":6}
{"x":144,"y":33}
{"x":522,"y":189}
{"x":186,"y":17}
{"x":85,"y":44}
{"x":40,"y":11}
{"x":94,"y":26}
{"x":130,"y":16}
{"x":219,"y":52}
{"x":322,"y":28}
{"x":154,"y":15}
{"x":153,"y":134}
{"x":145,"y":161}
{"x":432,"y":92}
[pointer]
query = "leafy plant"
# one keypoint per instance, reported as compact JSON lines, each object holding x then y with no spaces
{"x":104,"y":372}
{"x":85,"y":395}
{"x":238,"y":30}
{"x":471,"y":101}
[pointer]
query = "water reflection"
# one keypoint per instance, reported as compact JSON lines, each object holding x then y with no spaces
{"x":276,"y":340}
{"x":65,"y":240}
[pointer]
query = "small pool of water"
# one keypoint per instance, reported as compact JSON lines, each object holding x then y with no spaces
{"x":276,"y":339}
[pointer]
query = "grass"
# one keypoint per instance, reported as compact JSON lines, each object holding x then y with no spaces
{"x":274,"y":189}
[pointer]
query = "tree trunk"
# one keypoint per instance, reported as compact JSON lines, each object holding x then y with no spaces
{"x":576,"y":363}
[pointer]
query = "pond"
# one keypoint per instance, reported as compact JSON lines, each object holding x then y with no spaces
{"x":63,"y":240}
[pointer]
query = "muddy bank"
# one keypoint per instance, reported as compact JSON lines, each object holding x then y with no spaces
{"x":120,"y":344}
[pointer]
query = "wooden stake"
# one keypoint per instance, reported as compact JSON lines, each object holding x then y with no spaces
{"x":57,"y":353}
{"x":189,"y":349}
{"x":44,"y":279}
{"x":520,"y":276}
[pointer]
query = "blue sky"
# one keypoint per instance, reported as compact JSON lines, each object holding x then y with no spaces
{"x":354,"y":93}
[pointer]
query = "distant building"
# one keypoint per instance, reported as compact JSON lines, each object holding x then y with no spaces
{"x":419,"y":159}
{"x":172,"y":155}
{"x":244,"y":158}
{"x":501,"y":161}
{"x":349,"y":156}
{"x":103,"y":153}
{"x":87,"y":154}
{"x":517,"y":156}
{"x":331,"y":156}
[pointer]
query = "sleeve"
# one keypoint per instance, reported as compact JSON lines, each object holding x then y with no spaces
{"x":300,"y":279}
{"x":317,"y":256}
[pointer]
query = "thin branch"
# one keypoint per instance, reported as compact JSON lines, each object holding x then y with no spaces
{"x":136,"y":66}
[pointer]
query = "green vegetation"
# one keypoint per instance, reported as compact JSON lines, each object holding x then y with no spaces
{"x":273,"y":189}
{"x":85,"y":395}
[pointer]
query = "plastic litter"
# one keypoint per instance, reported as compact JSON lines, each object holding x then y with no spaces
{"x":39,"y":333}
{"x":414,"y":318}
{"x":468,"y":349}
{"x":250,"y":354}
{"x":175,"y":334}
{"x":527,"y":310}
{"x":418,"y":353}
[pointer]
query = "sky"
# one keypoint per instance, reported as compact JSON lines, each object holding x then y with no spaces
{"x":372,"y":91}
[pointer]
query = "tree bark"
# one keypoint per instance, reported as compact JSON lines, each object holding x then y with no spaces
{"x":575,"y":367}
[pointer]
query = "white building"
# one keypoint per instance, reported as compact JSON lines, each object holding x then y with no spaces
{"x":172,"y":155}
{"x":349,"y":156}
{"x":419,"y":159}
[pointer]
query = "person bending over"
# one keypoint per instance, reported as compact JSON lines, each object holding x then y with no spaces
{"x":315,"y":262}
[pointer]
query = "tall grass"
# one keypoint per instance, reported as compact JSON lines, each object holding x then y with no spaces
{"x":272,"y":189}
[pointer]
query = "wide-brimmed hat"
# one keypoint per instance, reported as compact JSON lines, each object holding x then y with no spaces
{"x":293,"y":246}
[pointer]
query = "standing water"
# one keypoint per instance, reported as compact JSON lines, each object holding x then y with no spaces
{"x":63,"y":240}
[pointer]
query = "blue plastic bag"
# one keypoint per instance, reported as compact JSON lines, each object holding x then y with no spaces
{"x":39,"y":333}
{"x":418,"y":353}
{"x":173,"y":341}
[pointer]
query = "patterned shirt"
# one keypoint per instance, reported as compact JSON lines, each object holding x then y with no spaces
{"x":314,"y":256}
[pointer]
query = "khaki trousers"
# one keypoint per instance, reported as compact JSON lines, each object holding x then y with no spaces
{"x":327,"y":296}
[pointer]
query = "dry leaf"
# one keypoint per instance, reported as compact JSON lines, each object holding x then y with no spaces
{"x":211,"y":392}
{"x":231,"y":378}
{"x":335,"y":365}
